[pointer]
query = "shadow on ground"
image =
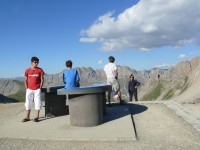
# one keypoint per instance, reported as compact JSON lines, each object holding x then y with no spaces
{"x":4,"y":99}
{"x":117,"y":111}
{"x":113,"y":112}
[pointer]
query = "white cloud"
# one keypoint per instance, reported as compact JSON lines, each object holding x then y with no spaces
{"x":181,"y":56}
{"x":163,"y":66}
{"x":148,"y":24}
{"x":100,"y":62}
{"x":90,"y":40}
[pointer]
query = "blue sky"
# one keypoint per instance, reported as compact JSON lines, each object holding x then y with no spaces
{"x":140,"y":34}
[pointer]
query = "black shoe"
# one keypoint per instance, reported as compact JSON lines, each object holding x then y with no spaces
{"x":109,"y":105}
{"x":50,"y":115}
{"x":35,"y":120}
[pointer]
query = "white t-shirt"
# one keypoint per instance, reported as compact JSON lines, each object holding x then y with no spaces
{"x":110,"y":69}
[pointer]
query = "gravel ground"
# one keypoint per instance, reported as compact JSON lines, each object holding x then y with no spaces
{"x":193,"y":107}
{"x":160,"y":128}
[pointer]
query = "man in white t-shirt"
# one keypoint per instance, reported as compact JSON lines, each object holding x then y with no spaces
{"x":112,"y":75}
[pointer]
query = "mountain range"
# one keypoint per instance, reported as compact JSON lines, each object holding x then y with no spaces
{"x":180,"y":82}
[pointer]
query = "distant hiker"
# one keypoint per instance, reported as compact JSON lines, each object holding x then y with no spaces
{"x":132,"y":88}
{"x":34,"y":79}
{"x":112,"y":75}
{"x":70,"y":76}
{"x":158,"y":76}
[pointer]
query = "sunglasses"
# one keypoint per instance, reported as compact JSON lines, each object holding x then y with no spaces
{"x":36,"y":62}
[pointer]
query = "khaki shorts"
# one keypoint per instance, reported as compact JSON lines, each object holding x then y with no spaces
{"x":114,"y":83}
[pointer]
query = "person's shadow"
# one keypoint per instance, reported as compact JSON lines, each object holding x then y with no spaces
{"x":115,"y":112}
{"x":118,"y":111}
{"x":5,"y":99}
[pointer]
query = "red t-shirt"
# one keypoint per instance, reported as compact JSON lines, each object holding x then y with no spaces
{"x":34,"y":77}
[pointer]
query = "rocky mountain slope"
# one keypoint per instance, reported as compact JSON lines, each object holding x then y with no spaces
{"x":192,"y":85}
{"x":181,"y":82}
{"x":9,"y":87}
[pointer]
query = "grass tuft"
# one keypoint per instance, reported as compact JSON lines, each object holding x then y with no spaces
{"x":169,"y":94}
{"x":154,"y":94}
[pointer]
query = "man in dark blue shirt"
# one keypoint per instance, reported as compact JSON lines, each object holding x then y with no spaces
{"x":132,"y":88}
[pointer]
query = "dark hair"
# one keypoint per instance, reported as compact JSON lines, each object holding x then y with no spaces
{"x":34,"y":58}
{"x":131,"y":76}
{"x":111,"y":59}
{"x":69,"y":63}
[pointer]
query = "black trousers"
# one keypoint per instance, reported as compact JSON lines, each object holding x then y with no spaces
{"x":131,"y":94}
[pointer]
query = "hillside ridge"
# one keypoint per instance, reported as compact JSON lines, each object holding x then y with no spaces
{"x":180,"y":82}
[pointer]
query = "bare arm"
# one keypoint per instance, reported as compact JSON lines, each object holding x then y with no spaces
{"x":137,"y":84}
{"x":26,"y":82}
{"x":42,"y":81}
{"x":116,"y":73}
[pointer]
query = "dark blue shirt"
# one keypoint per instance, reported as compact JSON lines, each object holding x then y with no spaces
{"x":132,"y":84}
{"x":71,"y":78}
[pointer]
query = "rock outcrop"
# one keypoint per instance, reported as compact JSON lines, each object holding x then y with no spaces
{"x":9,"y":87}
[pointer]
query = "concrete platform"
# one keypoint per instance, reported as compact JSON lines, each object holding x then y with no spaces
{"x":117,"y":126}
{"x":158,"y":126}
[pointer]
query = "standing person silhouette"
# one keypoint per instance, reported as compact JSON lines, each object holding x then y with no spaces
{"x":132,"y":88}
{"x":112,"y":76}
{"x":34,"y":79}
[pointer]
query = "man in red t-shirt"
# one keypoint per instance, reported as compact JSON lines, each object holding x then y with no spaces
{"x":34,"y":79}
